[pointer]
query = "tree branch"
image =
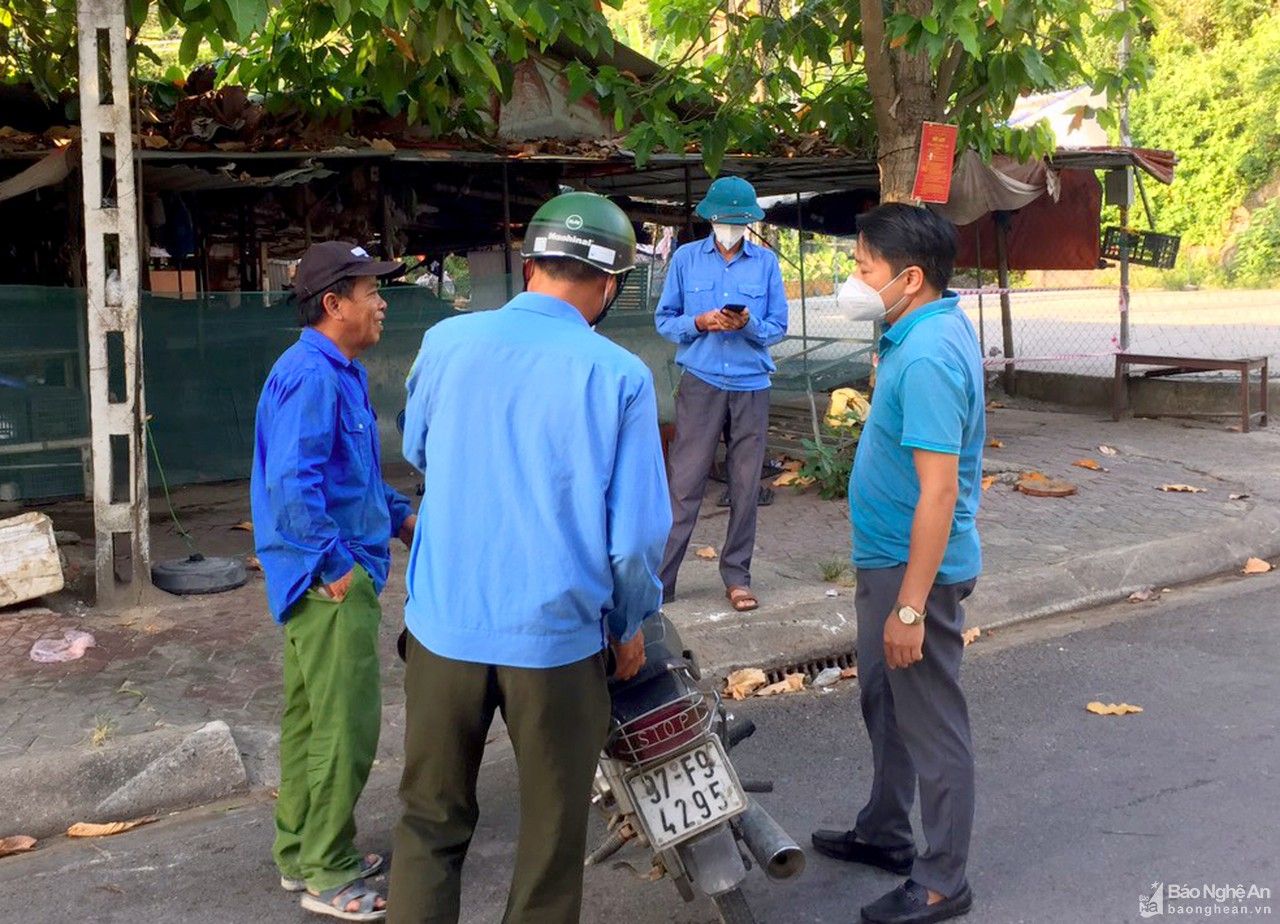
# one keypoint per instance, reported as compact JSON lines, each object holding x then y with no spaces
{"x":967,"y":100}
{"x":947,"y":73}
{"x":875,"y":49}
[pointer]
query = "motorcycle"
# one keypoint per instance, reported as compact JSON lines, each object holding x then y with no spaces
{"x":665,"y":783}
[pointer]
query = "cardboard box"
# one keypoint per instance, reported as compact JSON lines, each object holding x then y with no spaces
{"x":172,"y":282}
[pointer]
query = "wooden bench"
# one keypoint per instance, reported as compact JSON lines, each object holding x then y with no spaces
{"x":1184,"y":365}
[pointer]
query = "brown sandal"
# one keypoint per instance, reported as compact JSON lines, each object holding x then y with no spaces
{"x":742,"y":599}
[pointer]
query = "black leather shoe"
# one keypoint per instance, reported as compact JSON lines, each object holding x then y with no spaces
{"x":847,"y":846}
{"x":909,"y":904}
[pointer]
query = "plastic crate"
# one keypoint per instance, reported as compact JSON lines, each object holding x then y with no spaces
{"x":1146,"y":248}
{"x":57,"y":412}
{"x":50,"y":475}
{"x":15,"y":419}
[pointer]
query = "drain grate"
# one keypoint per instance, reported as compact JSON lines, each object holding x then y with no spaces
{"x":814,"y":667}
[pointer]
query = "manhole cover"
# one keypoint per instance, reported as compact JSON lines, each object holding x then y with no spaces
{"x":198,"y":575}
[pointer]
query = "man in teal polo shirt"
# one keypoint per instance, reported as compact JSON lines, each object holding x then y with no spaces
{"x":913,"y":497}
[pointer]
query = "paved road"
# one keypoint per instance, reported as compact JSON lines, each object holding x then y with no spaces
{"x":1078,"y":815}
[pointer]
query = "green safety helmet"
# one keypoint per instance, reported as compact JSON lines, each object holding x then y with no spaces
{"x":730,"y":200}
{"x":582,"y":226}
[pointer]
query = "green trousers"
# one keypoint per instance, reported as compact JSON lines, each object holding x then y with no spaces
{"x":557,"y":719}
{"x":329,"y":732}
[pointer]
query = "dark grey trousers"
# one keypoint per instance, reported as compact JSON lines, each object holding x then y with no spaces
{"x":918,"y":723}
{"x":557,"y":719}
{"x":703,"y":412}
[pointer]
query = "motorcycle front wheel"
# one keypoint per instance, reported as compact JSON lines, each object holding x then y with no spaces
{"x":733,"y":907}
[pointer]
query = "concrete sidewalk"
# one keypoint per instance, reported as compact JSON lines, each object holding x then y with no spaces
{"x":179,"y":701}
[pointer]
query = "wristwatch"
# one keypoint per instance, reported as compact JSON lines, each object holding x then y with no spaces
{"x":909,"y":615}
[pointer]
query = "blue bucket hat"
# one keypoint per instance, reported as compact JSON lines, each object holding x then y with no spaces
{"x":730,"y":200}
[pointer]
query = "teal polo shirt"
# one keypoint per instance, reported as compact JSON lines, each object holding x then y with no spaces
{"x":928,"y":395}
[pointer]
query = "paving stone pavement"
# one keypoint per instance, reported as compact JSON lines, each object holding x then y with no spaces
{"x":184,"y":661}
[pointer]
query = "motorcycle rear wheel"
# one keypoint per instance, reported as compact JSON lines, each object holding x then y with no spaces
{"x":733,"y":907}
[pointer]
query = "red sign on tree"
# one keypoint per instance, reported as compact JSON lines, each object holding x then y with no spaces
{"x":937,"y":158}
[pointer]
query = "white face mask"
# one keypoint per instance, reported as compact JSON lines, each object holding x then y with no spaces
{"x":863,"y":303}
{"x":728,"y":236}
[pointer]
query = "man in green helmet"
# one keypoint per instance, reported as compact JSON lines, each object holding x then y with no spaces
{"x":723,"y":306}
{"x":544,"y":519}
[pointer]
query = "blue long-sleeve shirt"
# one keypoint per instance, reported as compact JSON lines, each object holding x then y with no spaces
{"x":320,"y":506}
{"x":546,"y":507}
{"x":699,"y":279}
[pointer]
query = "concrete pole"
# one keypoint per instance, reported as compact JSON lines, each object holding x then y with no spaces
{"x":114,"y":326}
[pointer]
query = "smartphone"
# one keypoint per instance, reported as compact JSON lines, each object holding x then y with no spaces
{"x":736,"y":309}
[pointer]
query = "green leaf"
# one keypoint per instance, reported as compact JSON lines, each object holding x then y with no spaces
{"x":341,"y":11}
{"x":377,"y":7}
{"x":517,"y":47}
{"x":190,"y":45}
{"x":247,"y":15}
{"x":480,"y":55}
{"x":446,"y":28}
{"x":137,"y":14}
{"x":997,"y":10}
{"x":715,"y":139}
{"x":930,"y":24}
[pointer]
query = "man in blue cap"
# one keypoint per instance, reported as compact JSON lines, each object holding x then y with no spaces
{"x":723,"y":306}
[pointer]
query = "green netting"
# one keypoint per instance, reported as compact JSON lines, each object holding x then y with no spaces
{"x":205,"y":361}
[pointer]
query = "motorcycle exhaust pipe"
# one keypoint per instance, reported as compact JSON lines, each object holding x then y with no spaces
{"x":778,"y":855}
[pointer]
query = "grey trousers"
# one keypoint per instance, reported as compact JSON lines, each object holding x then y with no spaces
{"x":703,"y":412}
{"x":918,"y":723}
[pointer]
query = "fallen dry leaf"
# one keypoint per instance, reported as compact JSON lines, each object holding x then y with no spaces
{"x":1090,"y":464}
{"x":849,"y":673}
{"x":996,"y":444}
{"x":244,"y":526}
{"x":742,"y":683}
{"x":994,"y":404}
{"x":251,"y":562}
{"x":1108,"y":450}
{"x":382,"y":144}
{"x":791,"y":478}
{"x":792,"y":683}
{"x":792,"y":465}
{"x":1098,"y":708}
{"x":706,"y":553}
{"x":971,"y":635}
{"x":1144,"y":596}
{"x":1256,"y":566}
{"x":989,"y":480}
{"x":18,"y":843}
{"x":1035,"y":484}
{"x":1180,"y":489}
{"x":1238,"y":497}
{"x":85,"y":829}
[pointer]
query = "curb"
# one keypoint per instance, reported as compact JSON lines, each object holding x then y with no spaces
{"x":828,"y":627}
{"x":42,"y":793}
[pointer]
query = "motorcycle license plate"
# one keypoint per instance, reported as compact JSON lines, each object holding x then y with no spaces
{"x":687,"y":794}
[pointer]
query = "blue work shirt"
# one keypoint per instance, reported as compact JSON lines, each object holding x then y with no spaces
{"x":320,"y":506}
{"x":928,"y":395}
{"x":700,"y":279}
{"x":546,"y":507}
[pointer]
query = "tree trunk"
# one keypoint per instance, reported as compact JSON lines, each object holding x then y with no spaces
{"x":897,"y":154}
{"x":904,"y":94}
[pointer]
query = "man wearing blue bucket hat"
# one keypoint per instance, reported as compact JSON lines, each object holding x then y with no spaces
{"x":723,"y":306}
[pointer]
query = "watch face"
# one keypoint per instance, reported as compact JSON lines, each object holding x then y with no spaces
{"x":908,"y":615}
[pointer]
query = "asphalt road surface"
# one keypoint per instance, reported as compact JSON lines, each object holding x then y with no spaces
{"x":1078,"y":815}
